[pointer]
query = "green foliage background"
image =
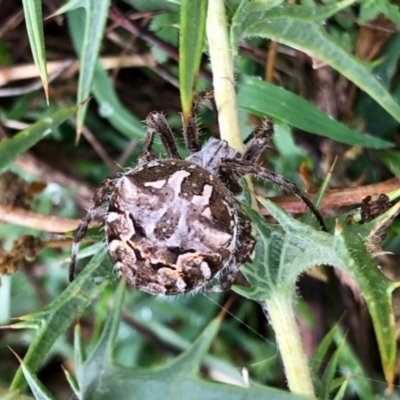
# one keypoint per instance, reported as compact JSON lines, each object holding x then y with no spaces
{"x":131,"y":344}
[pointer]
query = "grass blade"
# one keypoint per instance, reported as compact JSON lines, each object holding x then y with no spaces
{"x":10,"y":149}
{"x":38,"y":389}
{"x":265,"y":99}
{"x":193,"y":22}
{"x":286,"y":24}
{"x":95,"y":21}
{"x":34,"y":26}
{"x":103,"y":90}
{"x":53,"y":320}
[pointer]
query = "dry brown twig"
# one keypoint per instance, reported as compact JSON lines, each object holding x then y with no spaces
{"x":29,"y":219}
{"x":337,"y":198}
{"x":28,"y":71}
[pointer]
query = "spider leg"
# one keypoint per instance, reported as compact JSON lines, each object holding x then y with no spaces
{"x":98,"y":199}
{"x":146,"y":155}
{"x":261,"y":137}
{"x":243,"y":167}
{"x":191,"y":132}
{"x":156,"y":122}
{"x":225,"y":279}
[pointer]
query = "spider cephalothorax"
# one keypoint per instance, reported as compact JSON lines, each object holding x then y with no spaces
{"x":172,"y":226}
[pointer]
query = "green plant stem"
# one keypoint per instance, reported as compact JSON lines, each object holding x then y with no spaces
{"x":221,"y":58}
{"x":280,"y":307}
{"x":223,"y":78}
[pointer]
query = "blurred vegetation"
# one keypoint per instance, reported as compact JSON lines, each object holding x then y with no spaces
{"x":327,"y":72}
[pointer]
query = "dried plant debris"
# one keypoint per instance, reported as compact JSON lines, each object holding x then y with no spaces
{"x":25,"y":249}
{"x":370,"y":209}
{"x":16,"y":192}
{"x":378,"y":233}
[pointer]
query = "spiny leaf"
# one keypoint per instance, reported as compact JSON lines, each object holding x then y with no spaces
{"x":285,"y":251}
{"x":54,"y":319}
{"x":38,"y":389}
{"x":285,"y":24}
{"x":73,"y":383}
{"x":287,"y":10}
{"x":370,"y":10}
{"x":101,"y":377}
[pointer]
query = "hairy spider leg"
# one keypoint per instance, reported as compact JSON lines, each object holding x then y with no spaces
{"x":262,"y":136}
{"x":146,"y":155}
{"x":98,"y":199}
{"x":156,"y":122}
{"x":243,"y":167}
{"x":191,"y":133}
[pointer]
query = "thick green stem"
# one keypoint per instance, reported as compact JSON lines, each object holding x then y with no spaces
{"x":280,"y":309}
{"x":223,"y":76}
{"x":221,"y":59}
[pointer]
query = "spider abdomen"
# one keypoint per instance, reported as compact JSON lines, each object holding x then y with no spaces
{"x":170,"y":226}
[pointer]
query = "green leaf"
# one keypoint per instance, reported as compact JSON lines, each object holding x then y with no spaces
{"x":193,"y":22}
{"x":319,"y":356}
{"x":351,"y":365}
{"x":340,"y":394}
{"x":376,"y":119}
{"x":283,"y":25}
{"x":391,"y":159}
{"x":10,"y":149}
{"x":34,"y":26}
{"x":290,"y":155}
{"x":96,"y":13}
{"x":80,"y":358}
{"x":283,"y":252}
{"x":101,"y":378}
{"x":111,"y":108}
{"x":286,"y":10}
{"x":14,"y":395}
{"x":266,"y":99}
{"x":330,"y":370}
{"x":168,"y":336}
{"x":109,"y":105}
{"x":154,"y":5}
{"x":38,"y":389}
{"x":371,"y":9}
{"x":70,"y":5}
{"x":55,"y":318}
{"x":73,"y":383}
